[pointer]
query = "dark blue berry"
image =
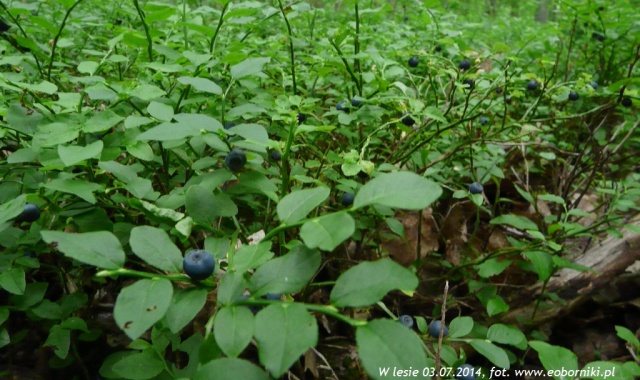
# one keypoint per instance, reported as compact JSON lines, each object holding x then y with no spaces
{"x":30,"y":213}
{"x":476,"y":188}
{"x":355,"y":102}
{"x":198,"y":264}
{"x":573,"y":96}
{"x":594,"y":85}
{"x":302,"y":118}
{"x":340,"y":106}
{"x":626,"y":102}
{"x":235,"y":160}
{"x":406,"y":320}
{"x":413,"y":62}
{"x":229,"y":125}
{"x":470,"y":82}
{"x":272,"y":296}
{"x":435,"y":327}
{"x":362,"y":175}
{"x":347,"y":199}
{"x":597,"y":36}
{"x":464,"y":65}
{"x":483,"y":120}
{"x":532,"y":85}
{"x":408,"y":120}
{"x":508,"y":100}
{"x":438,"y":48}
{"x":275,"y":155}
{"x":499,"y":90}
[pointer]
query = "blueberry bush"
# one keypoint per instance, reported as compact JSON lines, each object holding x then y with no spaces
{"x":224,"y":189}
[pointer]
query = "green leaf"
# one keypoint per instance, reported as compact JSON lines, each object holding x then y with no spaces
{"x":404,"y":190}
{"x":140,"y":365}
{"x":169,"y":132}
{"x":54,"y":134}
{"x":460,"y":326}
{"x":148,"y":92}
{"x":555,"y":358}
{"x":201,"y":84}
{"x":154,"y":246}
{"x":160,"y":111}
{"x":367,"y":282}
{"x":102,"y":121}
{"x":385,"y":345}
{"x":59,"y":340}
{"x":249,"y":66}
{"x":504,"y":334}
{"x":296,"y":205}
{"x":252,"y":256}
{"x":141,"y":305}
{"x":184,"y":307}
{"x":12,"y":209}
{"x":77,"y":187}
{"x":233,"y":329}
{"x":284,"y":331}
{"x":205,"y":207}
{"x":72,"y":154}
{"x":88,"y":67}
{"x":13,"y":280}
{"x":496,"y":305}
{"x":628,"y":336}
{"x":328,"y":231}
{"x":516,"y":221}
{"x":495,"y":354}
{"x":542,"y":262}
{"x":101,"y":249}
{"x":286,"y":274}
{"x":230,"y":369}
{"x":492,"y":267}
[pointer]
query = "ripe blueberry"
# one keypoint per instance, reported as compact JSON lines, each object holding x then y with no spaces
{"x":464,"y":65}
{"x":301,"y":118}
{"x":483,"y":120}
{"x":362,"y":175}
{"x":413,"y":62}
{"x":499,"y":90}
{"x":475,"y":188}
{"x":347,"y":199}
{"x":272,"y":296}
{"x":465,"y":372}
{"x":438,"y":48}
{"x":532,"y":85}
{"x":275,"y":155}
{"x":435,"y":327}
{"x":235,"y":160}
{"x":198,"y":264}
{"x":408,"y":120}
{"x":118,"y":21}
{"x":573,"y":96}
{"x":406,"y":320}
{"x":597,"y":36}
{"x":469,"y":82}
{"x":355,"y":102}
{"x":30,"y":213}
{"x":229,"y":125}
{"x":626,"y":102}
{"x":594,"y":85}
{"x":508,"y":100}
{"x":340,"y":106}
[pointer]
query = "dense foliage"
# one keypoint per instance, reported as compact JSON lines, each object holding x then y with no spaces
{"x":368,"y":177}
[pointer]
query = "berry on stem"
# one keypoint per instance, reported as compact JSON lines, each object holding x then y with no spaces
{"x":435,"y":327}
{"x":464,"y":65}
{"x":198,"y":264}
{"x":476,"y":188}
{"x":413,"y":62}
{"x":235,"y":160}
{"x":30,"y":213}
{"x":532,"y":85}
{"x":573,"y":96}
{"x":347,"y":199}
{"x":406,"y":320}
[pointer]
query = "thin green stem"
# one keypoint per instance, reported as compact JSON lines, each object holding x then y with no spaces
{"x":146,"y":30}
{"x":215,"y":34}
{"x":291,"y":50}
{"x":57,"y":37}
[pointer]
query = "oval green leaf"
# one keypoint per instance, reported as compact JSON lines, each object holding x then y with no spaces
{"x":141,"y":305}
{"x":154,"y":246}
{"x":367,"y":282}
{"x":233,"y":329}
{"x":404,"y":190}
{"x":295,"y":206}
{"x":328,"y":231}
{"x":101,"y":249}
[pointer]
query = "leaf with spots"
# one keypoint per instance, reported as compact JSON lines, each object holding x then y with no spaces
{"x":141,"y":305}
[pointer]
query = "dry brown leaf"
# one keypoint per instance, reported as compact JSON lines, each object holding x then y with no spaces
{"x":403,"y":251}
